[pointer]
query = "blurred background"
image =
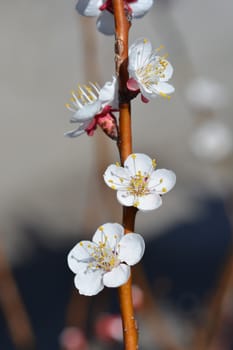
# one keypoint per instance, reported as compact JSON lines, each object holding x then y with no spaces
{"x":52,"y":192}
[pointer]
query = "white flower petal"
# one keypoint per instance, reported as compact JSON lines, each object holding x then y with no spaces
{"x":107,"y":93}
{"x":164,"y":88}
{"x":139,"y":53}
{"x":149,"y":202}
{"x":118,"y":276}
{"x":80,"y":253}
{"x":133,"y":73}
{"x":125,"y":198}
{"x":140,"y":7}
{"x":76,"y":132}
{"x":147,"y":92}
{"x":74,"y":264}
{"x":89,"y":7}
{"x":87,"y":112}
{"x":79,"y":131}
{"x":155,"y":89}
{"x":89,"y":282}
{"x":162,"y":180}
{"x":138,"y":162}
{"x":113,"y":231}
{"x":77,"y":267}
{"x":105,"y":23}
{"x":131,"y":248}
{"x":116,"y":177}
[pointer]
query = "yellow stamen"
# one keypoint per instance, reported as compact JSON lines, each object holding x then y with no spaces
{"x":164,"y":95}
{"x":154,"y":163}
{"x":160,"y":48}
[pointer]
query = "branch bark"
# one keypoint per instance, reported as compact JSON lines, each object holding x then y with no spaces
{"x":122,"y":26}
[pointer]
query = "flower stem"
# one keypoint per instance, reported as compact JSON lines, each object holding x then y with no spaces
{"x":130,"y":330}
{"x":122,"y":26}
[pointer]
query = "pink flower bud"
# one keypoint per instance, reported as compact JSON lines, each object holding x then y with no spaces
{"x":108,"y":124}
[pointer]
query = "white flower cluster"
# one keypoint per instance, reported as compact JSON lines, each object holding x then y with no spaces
{"x":106,"y":260}
{"x":93,"y":106}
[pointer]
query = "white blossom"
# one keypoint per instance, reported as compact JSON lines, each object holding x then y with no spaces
{"x":106,"y":260}
{"x":89,"y":104}
{"x":138,"y":184}
{"x":148,"y":72}
{"x":103,"y":9}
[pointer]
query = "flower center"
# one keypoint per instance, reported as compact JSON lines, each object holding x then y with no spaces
{"x":139,"y":185}
{"x":103,"y":257}
{"x":152,"y":72}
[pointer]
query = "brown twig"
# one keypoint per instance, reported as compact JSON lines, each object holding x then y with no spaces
{"x":122,"y":26}
{"x":130,"y":331}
